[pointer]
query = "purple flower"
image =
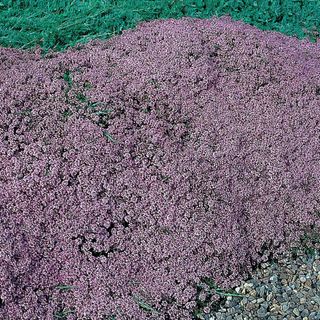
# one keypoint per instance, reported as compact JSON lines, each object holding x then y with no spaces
{"x":138,"y":166}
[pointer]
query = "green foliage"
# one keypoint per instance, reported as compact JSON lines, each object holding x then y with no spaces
{"x":310,"y":241}
{"x":215,"y":289}
{"x":210,"y":288}
{"x":67,"y":78}
{"x":81,"y":97}
{"x":144,"y":305}
{"x":108,"y":136}
{"x":64,"y":287}
{"x":62,"y":314}
{"x":102,"y":112}
{"x":60,"y":24}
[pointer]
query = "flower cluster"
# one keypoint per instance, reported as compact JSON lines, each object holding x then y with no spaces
{"x":134,"y":168}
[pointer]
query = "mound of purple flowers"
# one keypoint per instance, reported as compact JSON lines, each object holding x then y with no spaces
{"x":134,"y":170}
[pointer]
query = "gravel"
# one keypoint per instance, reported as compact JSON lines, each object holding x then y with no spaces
{"x":288,"y":289}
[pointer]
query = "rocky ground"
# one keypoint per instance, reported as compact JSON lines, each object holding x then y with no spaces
{"x":286,"y":289}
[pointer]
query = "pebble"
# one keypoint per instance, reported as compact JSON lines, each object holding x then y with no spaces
{"x":287,"y":289}
{"x":303,"y":300}
{"x":261,"y":312}
{"x":304,"y":313}
{"x":296,"y":312}
{"x":285,"y":307}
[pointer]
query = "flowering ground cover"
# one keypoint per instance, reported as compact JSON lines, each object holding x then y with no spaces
{"x":142,"y":173}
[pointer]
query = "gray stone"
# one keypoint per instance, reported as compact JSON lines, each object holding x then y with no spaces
{"x":296,"y":312}
{"x":285,"y":296}
{"x":312,"y":315}
{"x":231,"y":303}
{"x":232,"y":310}
{"x":244,"y":300}
{"x":316,"y":299}
{"x":304,"y":313}
{"x":237,"y":307}
{"x":300,"y":295}
{"x":281,"y":299}
{"x":296,"y":296}
{"x":295,"y":300}
{"x":285,"y":307}
{"x":262,"y":312}
{"x":219,"y":316}
{"x":262,"y":291}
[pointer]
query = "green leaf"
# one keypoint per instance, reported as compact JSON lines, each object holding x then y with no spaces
{"x":94,"y":104}
{"x":67,"y":77}
{"x":199,"y":315}
{"x":231,"y":294}
{"x":81,"y":97}
{"x":144,"y":305}
{"x":212,"y":285}
{"x":66,"y":113}
{"x":64,"y":287}
{"x":103,"y":112}
{"x":87,"y":85}
{"x":63,"y":313}
{"x":25,"y":112}
{"x":109,"y":136}
{"x":47,"y":169}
